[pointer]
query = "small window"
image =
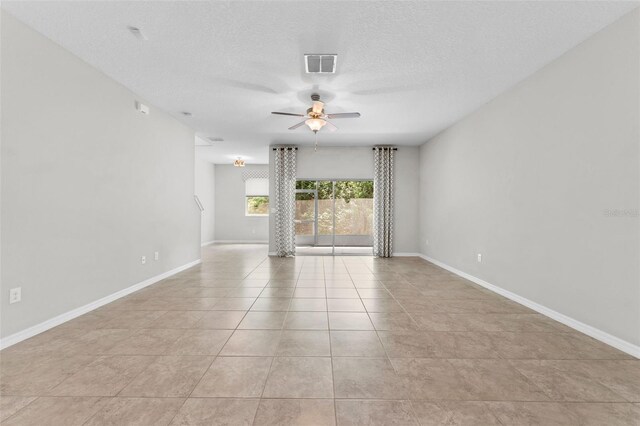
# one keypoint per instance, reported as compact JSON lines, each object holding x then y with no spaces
{"x":257,"y":205}
{"x":256,"y":197}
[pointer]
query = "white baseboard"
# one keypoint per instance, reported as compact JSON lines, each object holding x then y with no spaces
{"x":406,"y":255}
{"x":604,"y":337}
{"x":273,"y":253}
{"x":62,"y":318}
{"x":208,"y":243}
{"x":239,"y":242}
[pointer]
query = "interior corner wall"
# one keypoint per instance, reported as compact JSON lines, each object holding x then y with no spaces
{"x":205,"y":179}
{"x":89,"y":185}
{"x":544,"y":181}
{"x":357,"y":163}
{"x":231,"y":222}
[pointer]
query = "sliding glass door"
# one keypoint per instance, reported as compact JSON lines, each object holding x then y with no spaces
{"x":334,"y":216}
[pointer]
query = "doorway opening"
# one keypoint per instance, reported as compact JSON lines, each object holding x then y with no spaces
{"x":334,"y":217}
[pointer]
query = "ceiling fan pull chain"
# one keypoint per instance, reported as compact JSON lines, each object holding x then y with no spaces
{"x":316,"y":146}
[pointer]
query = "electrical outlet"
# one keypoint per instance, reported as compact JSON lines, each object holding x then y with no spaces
{"x":156,"y":255}
{"x":15,"y":295}
{"x":143,"y":259}
{"x":479,"y":257}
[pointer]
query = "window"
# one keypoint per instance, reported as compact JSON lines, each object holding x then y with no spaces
{"x":257,"y":197}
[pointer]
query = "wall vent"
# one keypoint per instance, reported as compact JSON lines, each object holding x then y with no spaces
{"x":320,"y":63}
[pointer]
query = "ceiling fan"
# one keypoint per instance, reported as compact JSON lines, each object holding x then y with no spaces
{"x":317,"y":118}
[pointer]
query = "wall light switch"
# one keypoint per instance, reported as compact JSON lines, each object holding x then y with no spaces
{"x":15,"y":295}
{"x":156,"y":256}
{"x":143,"y":259}
{"x":479,"y":257}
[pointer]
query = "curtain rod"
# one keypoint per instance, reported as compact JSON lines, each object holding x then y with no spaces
{"x":285,"y":147}
{"x":383,"y":147}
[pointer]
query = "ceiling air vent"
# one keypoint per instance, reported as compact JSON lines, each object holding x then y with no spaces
{"x":320,"y":63}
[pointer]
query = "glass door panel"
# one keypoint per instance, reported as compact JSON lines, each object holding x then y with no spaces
{"x":334,"y":215}
{"x":305,"y":219}
{"x":353,"y":213}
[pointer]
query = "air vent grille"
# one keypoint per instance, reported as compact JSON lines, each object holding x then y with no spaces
{"x":320,"y":63}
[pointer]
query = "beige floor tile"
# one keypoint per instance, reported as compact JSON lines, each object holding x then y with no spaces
{"x":295,"y":412}
{"x":244,"y":292}
{"x":98,"y":341}
{"x":137,"y":411}
{"x":621,"y":376}
{"x":271,"y":304}
{"x":199,"y":342}
{"x":220,"y":320}
{"x":239,"y":377}
{"x":300,"y":377}
{"x":104,"y":377}
{"x":496,"y":380}
{"x":234,"y":304}
{"x":132,"y":319}
{"x":178,"y":319}
{"x":306,"y":321}
{"x":563,"y":383}
{"x":304,"y":343}
{"x":382,"y":305}
{"x":308,"y":305}
{"x":252,"y":343}
{"x":147,"y":342}
{"x":216,"y":412}
{"x":342,"y":293}
{"x":533,"y":413}
{"x":458,"y":413}
{"x":277,"y":292}
{"x":345,"y":305}
{"x":309,"y":292}
{"x":356,"y":343}
{"x":263,"y":321}
{"x":367,"y":378}
{"x":431,"y":379}
{"x":371,"y":412}
{"x":594,"y":414}
{"x":374,"y":293}
{"x":36,"y":375}
{"x":392,"y":321}
{"x":191,"y":303}
{"x":349,"y":321}
{"x":9,"y":405}
{"x":169,"y":376}
{"x":56,"y":411}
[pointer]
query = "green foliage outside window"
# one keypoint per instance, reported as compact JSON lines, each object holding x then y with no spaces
{"x":258,"y":205}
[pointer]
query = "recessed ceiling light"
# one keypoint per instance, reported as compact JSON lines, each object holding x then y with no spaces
{"x":186,"y":113}
{"x":137,"y":32}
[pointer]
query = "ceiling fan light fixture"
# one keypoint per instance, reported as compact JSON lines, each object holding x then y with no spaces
{"x":239,"y":162}
{"x":315,"y":124}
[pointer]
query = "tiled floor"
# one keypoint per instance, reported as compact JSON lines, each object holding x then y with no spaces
{"x":246,"y":339}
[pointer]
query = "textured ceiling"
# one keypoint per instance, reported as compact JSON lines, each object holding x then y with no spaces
{"x":411,"y":68}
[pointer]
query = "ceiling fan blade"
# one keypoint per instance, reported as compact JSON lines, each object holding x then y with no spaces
{"x":295,"y":126}
{"x":344,"y":115}
{"x":330,"y":126}
{"x":288,"y":113}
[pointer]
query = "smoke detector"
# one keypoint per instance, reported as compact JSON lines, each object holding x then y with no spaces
{"x":320,"y":63}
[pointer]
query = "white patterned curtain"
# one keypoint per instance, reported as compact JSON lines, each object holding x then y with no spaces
{"x":285,"y":183}
{"x":383,"y":201}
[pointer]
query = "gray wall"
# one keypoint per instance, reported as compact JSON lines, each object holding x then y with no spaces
{"x":528,"y":179}
{"x":205,"y":190}
{"x":231,"y":224}
{"x":89,"y":185}
{"x":357,"y":163}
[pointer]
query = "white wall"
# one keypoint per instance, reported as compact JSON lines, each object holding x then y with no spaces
{"x":205,"y":190}
{"x":89,"y":185}
{"x":527,"y":181}
{"x":231,"y":223}
{"x":357,"y":163}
